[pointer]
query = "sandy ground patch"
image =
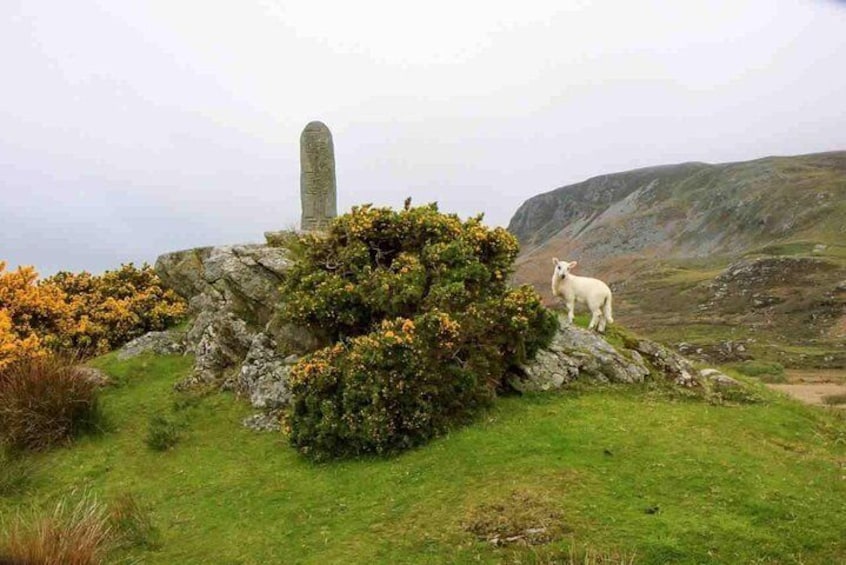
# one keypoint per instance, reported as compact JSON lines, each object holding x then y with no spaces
{"x":813,"y":385}
{"x":813,"y":393}
{"x":802,"y":376}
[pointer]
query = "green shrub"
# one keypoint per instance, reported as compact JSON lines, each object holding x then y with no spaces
{"x":108,"y":310}
{"x":419,"y":323}
{"x":162,"y":433}
{"x":44,"y":401}
{"x":754,"y":368}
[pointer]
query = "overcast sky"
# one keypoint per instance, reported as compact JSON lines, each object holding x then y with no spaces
{"x":128,"y":129}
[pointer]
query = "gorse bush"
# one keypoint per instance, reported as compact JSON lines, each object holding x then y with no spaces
{"x":384,"y":391}
{"x":420,"y":325}
{"x":29,"y":315}
{"x":80,"y":312}
{"x":44,"y":401}
{"x":115,"y":307}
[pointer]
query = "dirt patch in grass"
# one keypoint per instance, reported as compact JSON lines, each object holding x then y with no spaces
{"x":814,"y":393}
{"x":523,"y":517}
{"x":812,"y":376}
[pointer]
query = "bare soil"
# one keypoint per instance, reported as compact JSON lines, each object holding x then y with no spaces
{"x":812,"y":386}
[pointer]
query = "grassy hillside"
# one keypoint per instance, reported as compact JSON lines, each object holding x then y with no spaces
{"x":667,"y":239}
{"x":615,"y":472}
{"x":693,"y":209}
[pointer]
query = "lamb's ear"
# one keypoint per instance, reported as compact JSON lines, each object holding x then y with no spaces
{"x":555,"y":260}
{"x":573,"y":264}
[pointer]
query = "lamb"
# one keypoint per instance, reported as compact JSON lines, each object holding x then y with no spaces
{"x":590,"y":291}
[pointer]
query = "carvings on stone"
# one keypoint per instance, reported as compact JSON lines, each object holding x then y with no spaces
{"x":318,"y":192}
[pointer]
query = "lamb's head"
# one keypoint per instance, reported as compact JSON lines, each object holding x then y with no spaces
{"x":563,"y":268}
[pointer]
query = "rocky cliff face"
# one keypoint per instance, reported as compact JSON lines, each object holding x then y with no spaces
{"x":661,"y":236}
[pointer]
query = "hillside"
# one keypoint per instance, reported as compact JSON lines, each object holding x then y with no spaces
{"x":593,"y":474}
{"x":709,"y":257}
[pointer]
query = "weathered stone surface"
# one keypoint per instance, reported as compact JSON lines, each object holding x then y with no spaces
{"x":160,"y":343}
{"x":220,"y":341}
{"x":92,"y":375}
{"x":233,"y":292}
{"x":724,"y":351}
{"x":264,"y":374}
{"x":243,"y":279}
{"x":673,"y":365}
{"x":718,"y":379}
{"x":264,"y":421}
{"x":291,"y":338}
{"x":576,"y":353}
{"x":318,"y":192}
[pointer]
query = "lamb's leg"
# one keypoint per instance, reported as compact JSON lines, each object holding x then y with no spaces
{"x":606,"y":310}
{"x":570,"y":306}
{"x":602,"y":323}
{"x":594,"y":318}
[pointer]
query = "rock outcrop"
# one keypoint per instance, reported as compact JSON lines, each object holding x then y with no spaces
{"x":240,"y":342}
{"x":235,"y":333}
{"x":576,"y":353}
{"x":169,"y":342}
{"x":579,"y":354}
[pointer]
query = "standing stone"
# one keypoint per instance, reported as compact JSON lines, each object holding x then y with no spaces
{"x":317,"y":177}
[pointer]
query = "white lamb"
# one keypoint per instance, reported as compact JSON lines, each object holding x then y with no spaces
{"x":587,"y":290}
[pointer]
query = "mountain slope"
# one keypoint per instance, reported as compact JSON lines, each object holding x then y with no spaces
{"x":675,"y":242}
{"x":692,"y":209}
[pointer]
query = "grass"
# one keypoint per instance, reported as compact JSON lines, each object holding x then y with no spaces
{"x":78,"y":534}
{"x":613,"y":473}
{"x":162,"y":433}
{"x":787,"y":248}
{"x":16,"y":473}
{"x":44,"y":402}
{"x":133,"y":523}
{"x":834,"y":399}
{"x":754,"y":368}
{"x":699,"y":333}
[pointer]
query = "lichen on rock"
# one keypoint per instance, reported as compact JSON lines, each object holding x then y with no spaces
{"x":234,"y":333}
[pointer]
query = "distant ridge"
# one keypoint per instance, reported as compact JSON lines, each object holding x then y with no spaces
{"x":745,"y":197}
{"x":695,"y":252}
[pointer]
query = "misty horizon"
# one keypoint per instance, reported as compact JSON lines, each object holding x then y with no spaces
{"x":128,"y":132}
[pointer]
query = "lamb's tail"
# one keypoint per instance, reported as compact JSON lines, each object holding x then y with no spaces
{"x":606,"y":310}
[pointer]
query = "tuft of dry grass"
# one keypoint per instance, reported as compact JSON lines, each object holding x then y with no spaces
{"x":834,"y":399}
{"x":43,"y":402}
{"x":70,"y":535}
{"x":575,"y":555}
{"x":524,"y":518}
{"x":132,"y":523}
{"x":590,"y":556}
